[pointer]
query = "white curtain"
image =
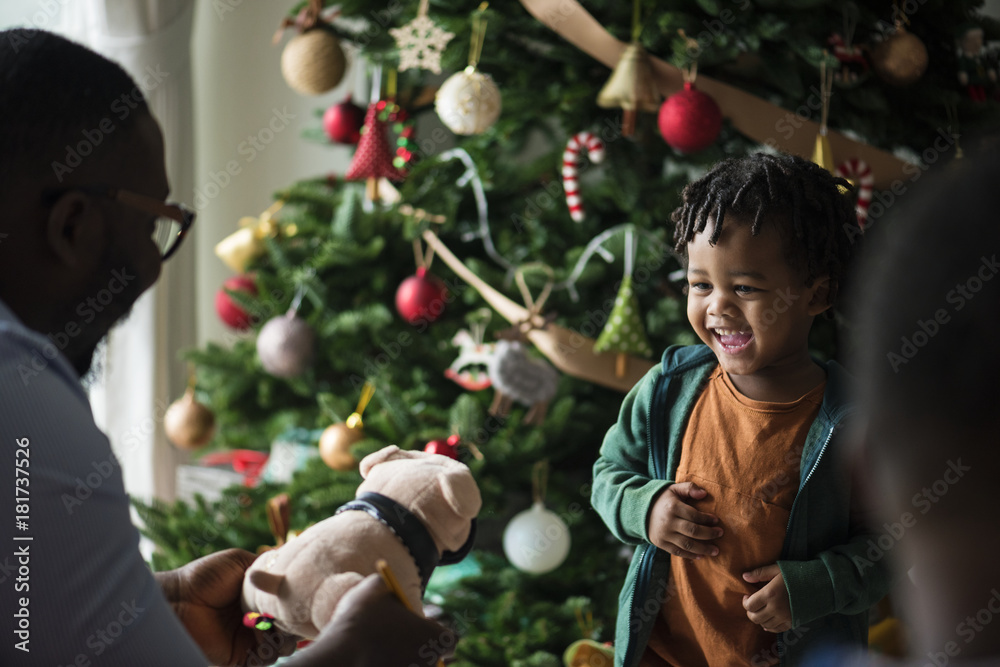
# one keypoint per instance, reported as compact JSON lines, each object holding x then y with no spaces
{"x":151,"y":39}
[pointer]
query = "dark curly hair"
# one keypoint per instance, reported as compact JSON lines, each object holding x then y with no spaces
{"x":812,"y":209}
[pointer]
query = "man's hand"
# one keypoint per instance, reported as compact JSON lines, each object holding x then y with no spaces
{"x":205,"y":595}
{"x":678,"y":528}
{"x":372,"y":628}
{"x":769,"y":607}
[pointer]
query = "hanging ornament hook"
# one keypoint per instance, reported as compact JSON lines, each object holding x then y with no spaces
{"x":478,"y":36}
{"x":367,"y":391}
{"x":539,"y":481}
{"x":689,"y":73}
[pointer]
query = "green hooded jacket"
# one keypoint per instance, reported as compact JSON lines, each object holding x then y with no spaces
{"x":833,"y":567}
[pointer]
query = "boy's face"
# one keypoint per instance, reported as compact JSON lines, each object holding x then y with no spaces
{"x":748,"y":304}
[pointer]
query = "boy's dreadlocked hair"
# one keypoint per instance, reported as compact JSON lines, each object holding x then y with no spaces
{"x":814,"y":216}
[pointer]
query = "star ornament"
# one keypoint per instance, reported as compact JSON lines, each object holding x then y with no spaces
{"x":421,"y":43}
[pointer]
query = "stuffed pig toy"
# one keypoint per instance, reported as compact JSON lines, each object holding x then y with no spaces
{"x":414,"y":510}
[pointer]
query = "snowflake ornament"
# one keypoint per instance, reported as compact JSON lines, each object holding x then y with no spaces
{"x":421,"y":43}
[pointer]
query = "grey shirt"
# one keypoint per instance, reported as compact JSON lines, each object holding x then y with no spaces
{"x":74,"y":589}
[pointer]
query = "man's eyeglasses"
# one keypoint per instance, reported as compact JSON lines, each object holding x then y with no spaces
{"x":172,"y":220}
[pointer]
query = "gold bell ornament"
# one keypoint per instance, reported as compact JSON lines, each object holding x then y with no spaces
{"x":247,"y":243}
{"x":631,"y":85}
{"x":335,"y":442}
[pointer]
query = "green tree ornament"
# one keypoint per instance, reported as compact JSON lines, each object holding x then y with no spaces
{"x":624,"y":332}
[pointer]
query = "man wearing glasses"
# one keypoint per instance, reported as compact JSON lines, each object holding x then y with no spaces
{"x":78,"y":246}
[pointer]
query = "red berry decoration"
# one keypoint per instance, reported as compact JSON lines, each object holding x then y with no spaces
{"x":421,"y":297}
{"x":228,"y":311}
{"x":447,"y":447}
{"x":690,"y":120}
{"x":342,"y":122}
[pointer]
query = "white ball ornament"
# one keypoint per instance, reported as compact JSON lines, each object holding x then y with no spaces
{"x":536,"y":541}
{"x":285,"y":345}
{"x":468,"y":102}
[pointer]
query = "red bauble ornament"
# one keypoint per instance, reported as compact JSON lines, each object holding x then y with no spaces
{"x":421,"y":297}
{"x":447,"y":447}
{"x":342,"y":122}
{"x":690,"y":120}
{"x":228,"y":311}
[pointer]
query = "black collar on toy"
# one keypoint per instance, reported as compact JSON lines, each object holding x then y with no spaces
{"x":411,"y":531}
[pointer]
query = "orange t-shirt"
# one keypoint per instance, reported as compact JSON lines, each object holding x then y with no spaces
{"x":746,"y":455}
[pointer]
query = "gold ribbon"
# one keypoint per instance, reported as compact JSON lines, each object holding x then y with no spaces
{"x":754,"y":117}
{"x":355,"y":421}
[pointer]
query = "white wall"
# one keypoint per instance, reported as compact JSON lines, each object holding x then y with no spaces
{"x":238,"y":89}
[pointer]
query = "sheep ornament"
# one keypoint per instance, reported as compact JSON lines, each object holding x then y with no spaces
{"x":414,"y":510}
{"x":518,"y":376}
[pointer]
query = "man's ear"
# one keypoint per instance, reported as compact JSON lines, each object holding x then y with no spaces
{"x":74,"y":228}
{"x":819,"y":299}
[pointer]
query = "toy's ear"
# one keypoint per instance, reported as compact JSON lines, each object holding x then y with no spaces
{"x":390,"y":453}
{"x":461,"y":493}
{"x":268,"y":582}
{"x":381,"y":456}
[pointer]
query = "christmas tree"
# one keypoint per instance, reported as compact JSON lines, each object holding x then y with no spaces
{"x":358,"y":287}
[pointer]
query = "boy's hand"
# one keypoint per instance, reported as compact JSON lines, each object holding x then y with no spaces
{"x":678,"y":528}
{"x":769,"y":607}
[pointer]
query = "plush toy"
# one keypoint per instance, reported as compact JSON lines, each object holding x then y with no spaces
{"x":414,"y":510}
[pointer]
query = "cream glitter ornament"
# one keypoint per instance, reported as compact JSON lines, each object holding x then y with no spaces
{"x":468,"y":102}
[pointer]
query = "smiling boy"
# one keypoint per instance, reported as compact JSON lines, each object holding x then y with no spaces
{"x":720,"y":468}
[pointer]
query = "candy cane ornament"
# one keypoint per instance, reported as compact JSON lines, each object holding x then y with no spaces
{"x":858,"y":172}
{"x":571,"y":158}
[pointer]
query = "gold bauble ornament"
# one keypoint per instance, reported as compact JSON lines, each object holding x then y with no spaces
{"x":335,"y":446}
{"x":313,"y":62}
{"x":189,"y":424}
{"x":900,"y":59}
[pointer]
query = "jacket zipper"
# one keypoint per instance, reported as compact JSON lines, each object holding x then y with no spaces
{"x":819,"y":457}
{"x":644,"y":571}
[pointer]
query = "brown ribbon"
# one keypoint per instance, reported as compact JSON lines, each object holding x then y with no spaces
{"x":305,"y":20}
{"x":570,"y":352}
{"x":756,"y":118}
